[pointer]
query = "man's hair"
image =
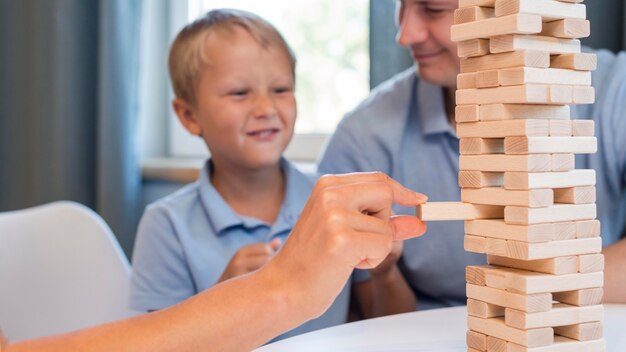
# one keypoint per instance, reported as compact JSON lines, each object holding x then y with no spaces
{"x":187,"y":56}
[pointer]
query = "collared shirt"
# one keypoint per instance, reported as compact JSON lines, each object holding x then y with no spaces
{"x":185,"y":241}
{"x":402,"y":129}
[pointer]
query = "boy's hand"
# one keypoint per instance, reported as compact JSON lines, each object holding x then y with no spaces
{"x":250,"y":258}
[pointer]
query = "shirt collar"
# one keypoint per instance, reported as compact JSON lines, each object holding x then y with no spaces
{"x":430,"y":102}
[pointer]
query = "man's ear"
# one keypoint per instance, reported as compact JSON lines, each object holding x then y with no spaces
{"x":186,"y":116}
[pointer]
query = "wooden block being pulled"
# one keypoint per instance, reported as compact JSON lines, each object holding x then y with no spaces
{"x":493,"y":112}
{"x":581,"y":332}
{"x":522,"y":94}
{"x":483,"y":309}
{"x":577,"y":61}
{"x":550,"y":145}
{"x":496,"y":327}
{"x":489,"y":27}
{"x":472,"y":47}
{"x":560,"y":315}
{"x":523,"y":233}
{"x":575,"y":195}
{"x":511,"y":42}
{"x":502,"y":163}
{"x":472,"y":14}
{"x":437,"y":211}
{"x":525,"y":75}
{"x":518,"y":58}
{"x":584,"y":297}
{"x":555,"y":213}
{"x":572,"y":28}
{"x":582,"y":128}
{"x":479,"y":179}
{"x":555,"y":266}
{"x":548,"y":10}
{"x":500,"y":196}
{"x":528,"y":303}
{"x":590,"y":263}
{"x":541,"y":250}
{"x":536,"y":180}
{"x":474,"y":146}
{"x":562,"y":344}
{"x":505,"y":128}
{"x":476,"y":340}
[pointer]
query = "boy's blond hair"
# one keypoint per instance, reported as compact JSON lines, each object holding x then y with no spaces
{"x":187,"y":57}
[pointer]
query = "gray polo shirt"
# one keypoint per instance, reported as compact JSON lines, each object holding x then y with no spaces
{"x":402,"y":129}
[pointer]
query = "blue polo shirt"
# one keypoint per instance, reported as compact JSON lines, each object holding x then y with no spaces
{"x":402,"y":129}
{"x":185,"y":241}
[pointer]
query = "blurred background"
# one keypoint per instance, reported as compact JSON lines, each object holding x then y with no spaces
{"x":85,"y":98}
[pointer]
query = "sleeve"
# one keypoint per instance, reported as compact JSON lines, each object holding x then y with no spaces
{"x":160,"y":276}
{"x":343,"y":152}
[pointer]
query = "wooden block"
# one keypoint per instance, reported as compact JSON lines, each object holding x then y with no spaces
{"x":581,"y":332}
{"x":476,"y":340}
{"x":542,"y":250}
{"x":587,"y":229}
{"x":497,"y":328}
{"x":555,"y":266}
{"x":511,"y":42}
{"x":466,"y":113}
{"x":578,"y":61}
{"x":583,"y":95}
{"x":495,"y":344}
{"x":483,"y":309}
{"x":473,"y":13}
{"x":469,"y":349}
{"x":475,"y":274}
{"x":559,"y":94}
{"x":473,"y":146}
{"x":560,"y":315}
{"x":562,"y":344}
{"x":564,"y":230}
{"x":483,"y":3}
{"x":528,"y":303}
{"x":466,"y":80}
{"x":575,"y":195}
{"x":548,"y":10}
{"x":472,"y":48}
{"x":479,"y":179}
{"x":501,"y":129}
{"x":536,"y":180}
{"x":550,"y":145}
{"x":582,"y":128}
{"x":502,"y":163}
{"x":474,"y":244}
{"x":563,"y":162}
{"x":555,"y":213}
{"x":560,"y":128}
{"x":584,"y":297}
{"x":499,"y":196}
{"x":528,"y":282}
{"x":436,"y":211}
{"x":518,"y":58}
{"x":525,"y":75}
{"x":486,"y":28}
{"x":487,"y":79}
{"x":527,"y":93}
{"x":572,"y":28}
{"x":492,"y":112}
{"x":523,"y":233}
{"x":590,"y":263}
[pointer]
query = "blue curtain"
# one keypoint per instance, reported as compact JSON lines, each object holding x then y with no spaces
{"x":68,"y":102}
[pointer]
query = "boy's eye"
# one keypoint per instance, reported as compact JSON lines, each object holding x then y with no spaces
{"x":282,"y":90}
{"x":239,"y":92}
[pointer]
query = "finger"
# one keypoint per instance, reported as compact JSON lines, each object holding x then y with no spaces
{"x":275,"y":244}
{"x":254,"y":263}
{"x":370,"y":249}
{"x":256,"y":249}
{"x":407,"y":226}
{"x":360,"y":222}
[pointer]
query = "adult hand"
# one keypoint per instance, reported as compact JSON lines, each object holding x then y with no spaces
{"x":386,"y":266}
{"x":347,"y":223}
{"x":250,"y":258}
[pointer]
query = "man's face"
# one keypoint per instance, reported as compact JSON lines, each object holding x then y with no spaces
{"x":424,"y":29}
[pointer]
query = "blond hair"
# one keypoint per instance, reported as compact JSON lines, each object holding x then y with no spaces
{"x":187,"y":57}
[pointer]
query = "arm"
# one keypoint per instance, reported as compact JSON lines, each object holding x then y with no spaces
{"x":614,"y":273}
{"x":346,"y":224}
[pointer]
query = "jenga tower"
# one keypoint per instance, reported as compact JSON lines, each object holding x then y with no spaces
{"x":530,"y":211}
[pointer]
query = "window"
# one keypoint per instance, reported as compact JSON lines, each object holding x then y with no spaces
{"x":330,"y":39}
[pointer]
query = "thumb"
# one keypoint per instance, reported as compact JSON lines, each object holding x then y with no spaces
{"x":275,"y":244}
{"x":407,"y":226}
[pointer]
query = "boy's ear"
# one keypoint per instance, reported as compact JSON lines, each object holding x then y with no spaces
{"x":186,"y":116}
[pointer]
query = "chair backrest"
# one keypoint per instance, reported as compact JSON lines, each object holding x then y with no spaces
{"x":61,"y":269}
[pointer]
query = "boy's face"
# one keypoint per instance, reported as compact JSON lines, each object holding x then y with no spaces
{"x":424,"y":29}
{"x":245,"y":109}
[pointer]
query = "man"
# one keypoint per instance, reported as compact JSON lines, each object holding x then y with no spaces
{"x":406,"y":129}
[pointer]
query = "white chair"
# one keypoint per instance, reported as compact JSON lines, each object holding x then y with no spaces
{"x":61,"y":269}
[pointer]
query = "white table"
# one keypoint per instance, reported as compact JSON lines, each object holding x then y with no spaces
{"x":439,"y":330}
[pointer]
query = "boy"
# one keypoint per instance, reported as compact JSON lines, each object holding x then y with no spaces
{"x":233,"y":77}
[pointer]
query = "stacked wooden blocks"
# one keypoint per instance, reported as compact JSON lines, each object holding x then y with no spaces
{"x":525,"y":204}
